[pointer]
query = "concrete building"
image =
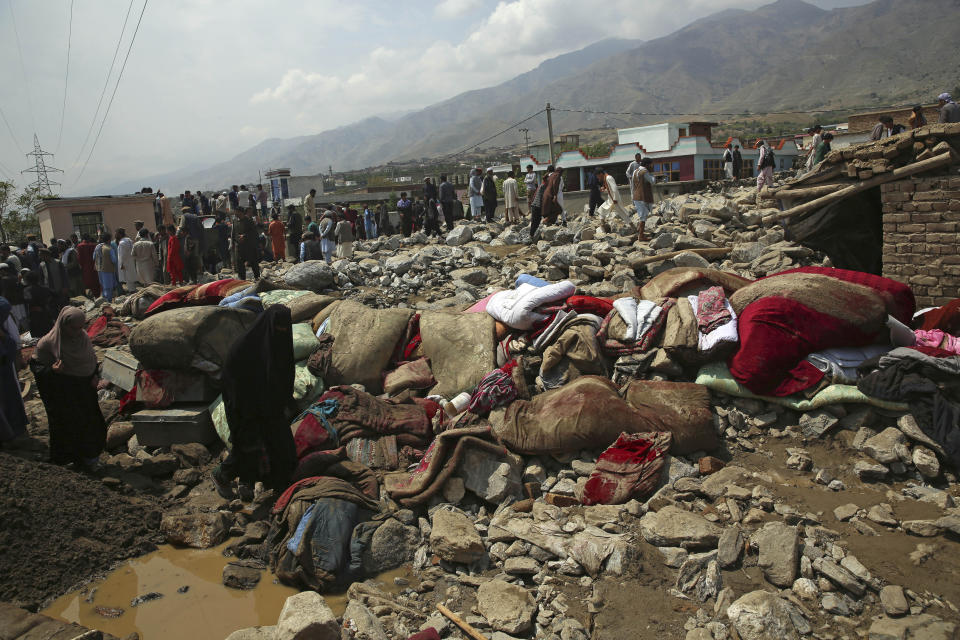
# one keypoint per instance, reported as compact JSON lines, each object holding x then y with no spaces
{"x":680,"y":152}
{"x":59,"y":217}
{"x":290,"y":189}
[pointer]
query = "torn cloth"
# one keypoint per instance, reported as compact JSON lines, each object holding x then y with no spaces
{"x":495,"y":390}
{"x":629,"y":468}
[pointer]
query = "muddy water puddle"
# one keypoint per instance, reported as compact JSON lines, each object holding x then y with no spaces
{"x":205,"y":609}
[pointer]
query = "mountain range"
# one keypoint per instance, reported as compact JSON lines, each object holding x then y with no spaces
{"x":788,"y":55}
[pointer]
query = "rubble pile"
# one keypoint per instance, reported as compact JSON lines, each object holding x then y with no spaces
{"x":552,"y":502}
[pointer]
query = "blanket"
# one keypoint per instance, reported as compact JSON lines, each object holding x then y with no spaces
{"x":683,"y":409}
{"x":681,"y":281}
{"x":516,"y":308}
{"x":630,"y":468}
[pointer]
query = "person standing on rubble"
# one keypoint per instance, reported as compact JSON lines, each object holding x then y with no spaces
{"x":257,"y":383}
{"x":882,"y":129}
{"x":765,"y":162}
{"x":511,"y":199}
{"x":822,"y":149}
{"x":641,"y":188}
{"x":245,"y":239}
{"x":128,"y":269}
{"x":488,"y":190}
{"x":917,"y":119}
{"x":633,"y":166}
{"x":613,"y":204}
{"x":447,"y":196}
{"x":949,"y":110}
{"x":309,"y":205}
{"x":174,"y":256}
{"x":277,"y":240}
{"x":817,"y":132}
{"x":65,"y":368}
{"x":405,"y":207}
{"x":327,"y":233}
{"x":593,"y":186}
{"x":145,"y":258}
{"x":737,"y":162}
{"x":369,"y":223}
{"x":531,"y":182}
{"x":294,"y":232}
{"x":727,"y":162}
{"x":344,"y":235}
{"x":536,"y":205}
{"x":105,"y":262}
{"x":476,"y":199}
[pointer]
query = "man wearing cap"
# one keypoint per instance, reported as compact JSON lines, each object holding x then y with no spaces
{"x":949,"y":110}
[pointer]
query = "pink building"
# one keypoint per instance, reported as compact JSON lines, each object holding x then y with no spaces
{"x":59,"y":217}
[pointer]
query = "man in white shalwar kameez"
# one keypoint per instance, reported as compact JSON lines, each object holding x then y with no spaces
{"x":511,"y":199}
{"x":127,"y":267}
{"x":145,"y":257}
{"x":613,"y":203}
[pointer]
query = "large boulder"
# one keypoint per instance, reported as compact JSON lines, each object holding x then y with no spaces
{"x":454,"y":538}
{"x":174,"y":339}
{"x":674,"y":527}
{"x":779,"y":544}
{"x":507,"y":607}
{"x":391,"y":545}
{"x":313,"y":275}
{"x":306,"y":616}
{"x":460,"y":235}
{"x":761,"y":615}
{"x":198,"y":530}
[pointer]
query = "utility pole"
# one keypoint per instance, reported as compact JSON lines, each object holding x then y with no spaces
{"x":550,"y":131}
{"x":42,"y":183}
{"x":526,"y":138}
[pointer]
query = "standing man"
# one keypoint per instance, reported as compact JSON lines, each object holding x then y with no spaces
{"x":343,"y":232}
{"x":277,"y":243}
{"x":234,"y":199}
{"x":243,"y":198}
{"x":489,"y":192}
{"x":191,"y":222}
{"x":593,"y":185}
{"x":531,"y":182}
{"x":882,"y":129}
{"x":245,"y":239}
{"x":917,"y":119}
{"x":727,"y":162}
{"x":613,"y":204}
{"x":188,"y":202}
{"x":737,"y":162}
{"x":511,"y":199}
{"x":949,"y":110}
{"x":205,"y":207}
{"x":327,"y":230}
{"x":633,"y":166}
{"x":71,"y":262}
{"x":429,"y":190}
{"x":447,"y":196}
{"x":145,"y":258}
{"x":641,"y":188}
{"x":223,"y":239}
{"x":309,"y":208}
{"x":765,"y":163}
{"x":128,"y":269}
{"x":476,"y":200}
{"x":817,"y":132}
{"x":294,"y":231}
{"x":369,"y":223}
{"x":166,"y":210}
{"x":158,"y":211}
{"x":85,"y":249}
{"x":262,"y":201}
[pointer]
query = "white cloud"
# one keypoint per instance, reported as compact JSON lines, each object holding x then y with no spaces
{"x":456,"y":8}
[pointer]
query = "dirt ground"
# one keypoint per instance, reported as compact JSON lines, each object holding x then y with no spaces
{"x":59,"y":528}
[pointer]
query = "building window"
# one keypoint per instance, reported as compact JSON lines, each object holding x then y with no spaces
{"x":87,"y":223}
{"x":713,"y":170}
{"x":683,"y":133}
{"x":666,"y":171}
{"x":747,"y":170}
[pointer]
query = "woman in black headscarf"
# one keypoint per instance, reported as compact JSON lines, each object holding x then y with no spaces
{"x":65,"y":367}
{"x":257,"y":382}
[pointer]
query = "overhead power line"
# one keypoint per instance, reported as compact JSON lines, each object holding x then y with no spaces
{"x":755,"y":112}
{"x":106,"y":83}
{"x":66,"y":78}
{"x":23,"y":68}
{"x":10,"y":131}
{"x":499,"y":133}
{"x":114,"y":94}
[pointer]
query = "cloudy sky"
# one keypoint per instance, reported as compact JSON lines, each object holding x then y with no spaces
{"x":207,"y":79}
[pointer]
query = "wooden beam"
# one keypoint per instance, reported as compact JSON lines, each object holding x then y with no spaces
{"x":897,"y":174}
{"x":809,"y":192}
{"x":711,"y":252}
{"x":460,"y":622}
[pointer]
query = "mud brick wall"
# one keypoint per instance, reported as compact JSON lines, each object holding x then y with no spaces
{"x":921,"y":218}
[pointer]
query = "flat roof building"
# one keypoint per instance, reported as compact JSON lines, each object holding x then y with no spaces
{"x":59,"y":217}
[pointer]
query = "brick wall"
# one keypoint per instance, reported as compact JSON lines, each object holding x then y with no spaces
{"x":921,"y":217}
{"x":867,"y":121}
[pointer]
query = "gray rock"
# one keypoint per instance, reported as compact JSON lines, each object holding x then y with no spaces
{"x":894,"y":601}
{"x":198,"y":530}
{"x":699,"y":577}
{"x":869,"y":471}
{"x":507,"y":607}
{"x":454,"y":538}
{"x":253,"y":633}
{"x":883,"y":446}
{"x":882,"y":514}
{"x":778,"y":544}
{"x":814,"y":424}
{"x":746,"y":252}
{"x":926,"y":462}
{"x":761,"y":615}
{"x":838,"y":575}
{"x":306,"y":616}
{"x":854,"y":566}
{"x":118,"y":434}
{"x":362,"y":622}
{"x":691,"y":260}
{"x":314,"y":275}
{"x":845,"y":511}
{"x":674,"y":527}
{"x":400,"y":264}
{"x":391,"y":545}
{"x":475,"y":276}
{"x":459,"y":236}
{"x":806,"y":589}
{"x":521,"y":566}
{"x":673,"y":556}
{"x":730,"y":546}
{"x":492,"y":477}
{"x":191,"y":454}
{"x":919,"y":627}
{"x":241,"y":575}
{"x":835,"y":604}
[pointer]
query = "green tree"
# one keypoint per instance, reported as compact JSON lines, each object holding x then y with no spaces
{"x":18,"y":218}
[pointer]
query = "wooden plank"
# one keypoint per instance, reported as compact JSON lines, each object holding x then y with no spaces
{"x":460,"y":622}
{"x":903,"y":172}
